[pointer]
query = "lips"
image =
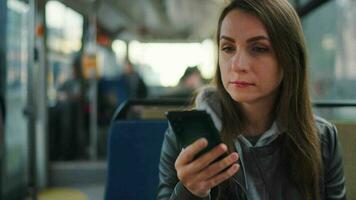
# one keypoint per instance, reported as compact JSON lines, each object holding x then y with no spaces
{"x":241,"y":84}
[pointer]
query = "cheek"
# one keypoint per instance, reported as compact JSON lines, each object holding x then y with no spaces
{"x":270,"y":75}
{"x":278,"y":74}
{"x":223,"y":71}
{"x":224,"y":63}
{"x":274,"y":79}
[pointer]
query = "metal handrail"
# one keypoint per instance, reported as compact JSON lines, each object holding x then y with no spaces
{"x":121,"y":111}
{"x":334,"y":103}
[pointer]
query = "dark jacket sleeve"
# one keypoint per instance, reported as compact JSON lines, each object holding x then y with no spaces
{"x":169,"y":187}
{"x":334,"y":179}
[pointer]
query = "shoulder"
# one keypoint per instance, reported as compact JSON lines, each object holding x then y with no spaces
{"x":326,"y":130}
{"x":208,"y":99}
{"x":333,"y":179}
{"x":330,"y":146}
{"x":207,"y":94}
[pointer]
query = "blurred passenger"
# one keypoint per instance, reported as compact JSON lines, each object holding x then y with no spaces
{"x":107,"y":84}
{"x":275,"y":147}
{"x":133,"y":84}
{"x":71,"y":89}
{"x":71,"y":137}
{"x":188,"y":84}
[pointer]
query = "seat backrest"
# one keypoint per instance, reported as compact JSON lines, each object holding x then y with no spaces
{"x":347,"y":138}
{"x":134,"y":153}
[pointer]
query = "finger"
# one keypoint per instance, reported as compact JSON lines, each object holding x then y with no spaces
{"x":190,"y":151}
{"x":206,"y":159}
{"x":223,"y":176}
{"x":219,"y":166}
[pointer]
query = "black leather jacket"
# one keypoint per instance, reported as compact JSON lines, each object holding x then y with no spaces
{"x":277,"y":186}
{"x":262,"y":164}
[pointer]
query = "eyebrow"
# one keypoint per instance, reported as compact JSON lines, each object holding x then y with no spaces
{"x":253,"y":39}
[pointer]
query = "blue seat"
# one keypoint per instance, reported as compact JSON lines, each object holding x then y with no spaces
{"x":134,"y":153}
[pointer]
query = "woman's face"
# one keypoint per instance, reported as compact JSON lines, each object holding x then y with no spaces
{"x":248,"y":65}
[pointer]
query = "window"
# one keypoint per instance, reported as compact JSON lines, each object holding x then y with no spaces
{"x":331,"y":37}
{"x":65,"y":28}
{"x":164,"y":63}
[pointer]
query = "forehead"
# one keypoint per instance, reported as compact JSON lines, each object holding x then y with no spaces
{"x":241,"y":25}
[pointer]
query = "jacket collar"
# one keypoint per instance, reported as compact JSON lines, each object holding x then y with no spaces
{"x":208,"y":100}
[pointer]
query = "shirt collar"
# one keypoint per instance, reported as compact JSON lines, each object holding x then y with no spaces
{"x":267,"y":137}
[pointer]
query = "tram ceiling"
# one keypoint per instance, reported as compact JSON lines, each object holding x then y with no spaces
{"x":148,"y":20}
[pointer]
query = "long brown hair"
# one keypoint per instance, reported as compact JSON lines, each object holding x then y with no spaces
{"x":301,"y":144}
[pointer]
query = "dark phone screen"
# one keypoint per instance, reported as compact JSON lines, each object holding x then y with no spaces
{"x":189,"y":126}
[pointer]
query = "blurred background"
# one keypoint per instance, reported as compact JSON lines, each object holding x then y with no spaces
{"x":66,"y":66}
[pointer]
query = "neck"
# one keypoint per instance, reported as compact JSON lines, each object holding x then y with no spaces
{"x":259,"y":118}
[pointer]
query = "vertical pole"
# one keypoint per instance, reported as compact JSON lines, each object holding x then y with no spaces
{"x":91,"y":52}
{"x":93,"y":117}
{"x":3,"y":20}
{"x":30,"y":108}
{"x":127,"y":56}
{"x":40,"y":84}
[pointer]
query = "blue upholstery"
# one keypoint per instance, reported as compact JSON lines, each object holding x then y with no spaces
{"x":134,"y":153}
{"x":117,"y":87}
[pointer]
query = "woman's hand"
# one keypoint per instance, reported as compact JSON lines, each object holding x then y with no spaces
{"x":202,"y":174}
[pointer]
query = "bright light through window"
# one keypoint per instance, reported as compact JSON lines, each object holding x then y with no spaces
{"x":119,"y":48}
{"x":65,"y":27}
{"x":164,"y":63}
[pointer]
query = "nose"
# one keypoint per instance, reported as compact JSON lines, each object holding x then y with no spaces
{"x":240,"y":62}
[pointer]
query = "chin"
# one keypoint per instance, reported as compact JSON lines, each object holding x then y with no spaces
{"x":242,"y":98}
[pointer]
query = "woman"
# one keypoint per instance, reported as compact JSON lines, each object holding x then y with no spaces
{"x":261,"y":105}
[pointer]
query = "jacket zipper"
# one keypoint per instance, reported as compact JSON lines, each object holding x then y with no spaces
{"x":260,"y":171}
{"x":240,"y":185}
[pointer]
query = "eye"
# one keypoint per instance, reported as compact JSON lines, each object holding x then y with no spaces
{"x":228,"y":49}
{"x":259,"y":49}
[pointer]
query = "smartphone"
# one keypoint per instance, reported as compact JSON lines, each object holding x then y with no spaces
{"x":188,"y":126}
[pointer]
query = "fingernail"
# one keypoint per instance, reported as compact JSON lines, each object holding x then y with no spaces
{"x":234,"y":156}
{"x":235,"y":167}
{"x":223,"y":146}
{"x":203,"y":141}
